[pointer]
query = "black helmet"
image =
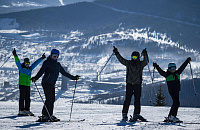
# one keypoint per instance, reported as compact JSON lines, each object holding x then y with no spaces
{"x":135,"y":56}
{"x":26,"y":60}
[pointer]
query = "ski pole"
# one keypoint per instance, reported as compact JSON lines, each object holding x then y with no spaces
{"x":6,"y":60}
{"x":106,"y":63}
{"x":72,"y":101}
{"x":43,"y":102}
{"x":193,"y":80}
{"x":150,"y":75}
{"x":152,"y":86}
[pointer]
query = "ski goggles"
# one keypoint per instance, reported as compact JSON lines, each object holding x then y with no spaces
{"x":55,"y":55}
{"x":172,"y":68}
{"x":27,"y":63}
{"x":134,"y":57}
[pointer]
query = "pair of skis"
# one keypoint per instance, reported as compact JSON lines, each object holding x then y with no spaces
{"x":161,"y":122}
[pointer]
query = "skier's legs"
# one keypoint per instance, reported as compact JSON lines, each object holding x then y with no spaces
{"x":176,"y":103}
{"x":27,"y":98}
{"x":129,"y":94}
{"x":53,"y":98}
{"x":50,"y":98}
{"x":22,"y":91}
{"x":137,"y":95}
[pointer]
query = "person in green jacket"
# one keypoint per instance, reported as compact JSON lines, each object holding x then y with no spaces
{"x":24,"y":83}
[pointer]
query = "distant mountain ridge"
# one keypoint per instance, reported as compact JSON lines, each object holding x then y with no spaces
{"x":95,"y":19}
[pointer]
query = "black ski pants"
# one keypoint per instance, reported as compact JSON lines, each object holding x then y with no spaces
{"x":176,"y":103}
{"x":49,"y":91}
{"x":130,"y":91}
{"x":24,"y":98}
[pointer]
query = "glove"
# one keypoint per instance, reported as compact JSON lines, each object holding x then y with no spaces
{"x":77,"y":77}
{"x":14,"y":52}
{"x":115,"y":50}
{"x":144,"y":51}
{"x":33,"y":79}
{"x":43,"y":56}
{"x":189,"y":59}
{"x":154,"y":64}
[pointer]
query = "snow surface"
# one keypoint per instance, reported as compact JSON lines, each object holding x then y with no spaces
{"x":97,"y":116}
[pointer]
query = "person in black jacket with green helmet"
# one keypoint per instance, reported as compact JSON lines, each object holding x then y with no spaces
{"x":134,"y":72}
{"x":51,"y":68}
{"x":173,"y":82}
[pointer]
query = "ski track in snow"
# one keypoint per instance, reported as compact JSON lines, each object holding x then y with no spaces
{"x":97,"y":116}
{"x":138,"y":13}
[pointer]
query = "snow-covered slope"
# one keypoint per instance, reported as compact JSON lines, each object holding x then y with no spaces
{"x":8,"y":6}
{"x":96,"y":116}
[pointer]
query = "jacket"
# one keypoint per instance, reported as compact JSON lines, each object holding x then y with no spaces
{"x":173,"y":79}
{"x":25,"y":73}
{"x":133,"y":69}
{"x":51,"y":69}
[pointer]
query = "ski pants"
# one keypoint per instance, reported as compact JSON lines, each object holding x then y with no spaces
{"x":130,"y":91}
{"x":24,"y":98}
{"x":176,"y":103}
{"x":49,"y":91}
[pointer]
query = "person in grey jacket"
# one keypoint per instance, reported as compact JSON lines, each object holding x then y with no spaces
{"x":134,"y":71}
{"x":51,"y":68}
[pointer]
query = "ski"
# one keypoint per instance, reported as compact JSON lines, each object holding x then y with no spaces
{"x":159,"y":122}
{"x":191,"y":122}
{"x":132,"y":121}
{"x":64,"y":121}
{"x":74,"y":120}
{"x":25,"y":115}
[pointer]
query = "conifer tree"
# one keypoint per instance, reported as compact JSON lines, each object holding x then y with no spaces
{"x":160,"y":98}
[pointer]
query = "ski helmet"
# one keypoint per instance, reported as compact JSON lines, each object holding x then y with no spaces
{"x":171,"y":66}
{"x":135,"y":56}
{"x":26,"y":62}
{"x":55,"y":51}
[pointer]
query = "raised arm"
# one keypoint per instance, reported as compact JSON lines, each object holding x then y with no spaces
{"x":160,"y":71}
{"x":37,"y":62}
{"x":182,"y":67}
{"x":120,"y":58}
{"x":17,"y":61}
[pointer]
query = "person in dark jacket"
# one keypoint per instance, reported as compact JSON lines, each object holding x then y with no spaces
{"x":25,"y":71}
{"x":51,"y":68}
{"x":134,"y":71}
{"x":173,"y":82}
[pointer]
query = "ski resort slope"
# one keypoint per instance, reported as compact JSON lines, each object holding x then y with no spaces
{"x":97,"y":116}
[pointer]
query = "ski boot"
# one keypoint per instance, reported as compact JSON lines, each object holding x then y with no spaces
{"x":44,"y":118}
{"x":55,"y":119}
{"x":22,"y":113}
{"x":137,"y":117}
{"x":124,"y":117}
{"x":172,"y":119}
{"x":29,"y":113}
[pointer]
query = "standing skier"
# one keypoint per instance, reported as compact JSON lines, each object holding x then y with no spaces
{"x":173,"y":82}
{"x":24,"y":83}
{"x":50,"y":68}
{"x":134,"y":71}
